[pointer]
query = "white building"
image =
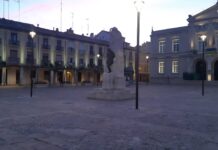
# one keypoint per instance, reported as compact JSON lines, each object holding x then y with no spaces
{"x":176,"y":54}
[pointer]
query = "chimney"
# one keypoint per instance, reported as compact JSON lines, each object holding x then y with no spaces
{"x":92,"y":35}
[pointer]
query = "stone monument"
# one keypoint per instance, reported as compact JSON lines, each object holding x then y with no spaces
{"x":113,"y":86}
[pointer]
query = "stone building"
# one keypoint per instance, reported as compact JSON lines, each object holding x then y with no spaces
{"x":51,"y":55}
{"x":176,"y":54}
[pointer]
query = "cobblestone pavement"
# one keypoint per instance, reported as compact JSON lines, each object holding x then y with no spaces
{"x":170,"y":117}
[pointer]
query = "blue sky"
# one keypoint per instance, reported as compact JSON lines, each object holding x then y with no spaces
{"x":86,"y":16}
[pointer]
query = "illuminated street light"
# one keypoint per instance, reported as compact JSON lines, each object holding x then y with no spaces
{"x":32,"y":34}
{"x":203,"y":38}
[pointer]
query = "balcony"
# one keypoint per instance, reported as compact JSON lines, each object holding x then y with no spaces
{"x":71,"y":50}
{"x":91,"y":66}
{"x":71,"y":65}
{"x":59,"y":64}
{"x":29,"y":44}
{"x":48,"y":47}
{"x":59,"y":48}
{"x":30,"y":61}
{"x":13,"y":61}
{"x":212,"y":50}
{"x":14,"y":43}
{"x":45,"y":63}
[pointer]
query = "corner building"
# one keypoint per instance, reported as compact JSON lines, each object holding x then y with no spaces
{"x":176,"y":54}
{"x":50,"y":56}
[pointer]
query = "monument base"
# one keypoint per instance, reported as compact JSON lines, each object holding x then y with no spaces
{"x":111,"y":94}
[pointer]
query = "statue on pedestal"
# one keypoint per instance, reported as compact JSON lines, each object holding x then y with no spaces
{"x":110,"y":59}
{"x":113,"y":87}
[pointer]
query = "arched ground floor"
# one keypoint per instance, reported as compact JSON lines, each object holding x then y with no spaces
{"x":21,"y":75}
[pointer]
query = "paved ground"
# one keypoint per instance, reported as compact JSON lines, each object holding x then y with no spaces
{"x":61,"y":118}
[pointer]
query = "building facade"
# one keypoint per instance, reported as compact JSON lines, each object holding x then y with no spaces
{"x":51,"y":56}
{"x":176,"y":54}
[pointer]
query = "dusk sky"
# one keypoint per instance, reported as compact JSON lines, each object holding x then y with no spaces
{"x":96,"y":15}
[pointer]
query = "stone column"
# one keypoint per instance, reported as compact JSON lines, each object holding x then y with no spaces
{"x":4,"y":74}
{"x":209,"y":70}
{"x":51,"y":77}
{"x":65,"y":75}
{"x":75,"y":77}
{"x":37,"y":75}
{"x":22,"y":76}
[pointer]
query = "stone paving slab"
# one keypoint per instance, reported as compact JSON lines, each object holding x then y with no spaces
{"x":62,"y":118}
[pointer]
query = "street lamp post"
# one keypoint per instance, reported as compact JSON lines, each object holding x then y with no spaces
{"x":203,"y":38}
{"x":98,"y":67}
{"x":138,"y":5}
{"x":32,"y":34}
{"x":147,"y":57}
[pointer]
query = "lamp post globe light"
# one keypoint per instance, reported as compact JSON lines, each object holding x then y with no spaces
{"x":203,"y":38}
{"x":32,"y":35}
{"x":98,"y":55}
{"x":138,"y":5}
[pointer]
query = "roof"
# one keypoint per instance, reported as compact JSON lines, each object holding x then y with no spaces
{"x":26,"y":27}
{"x":207,"y":14}
{"x":170,"y":31}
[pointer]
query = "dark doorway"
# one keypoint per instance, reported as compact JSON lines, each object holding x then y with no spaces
{"x":79,"y":76}
{"x":200,"y":70}
{"x":216,"y":70}
{"x":17,"y":76}
{"x":0,"y":76}
{"x":98,"y":77}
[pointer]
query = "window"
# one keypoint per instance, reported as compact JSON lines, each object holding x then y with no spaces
{"x":175,"y":45}
{"x":81,"y":62}
{"x":99,"y":62}
{"x":161,"y":67}
{"x":58,"y":57}
{"x":100,"y":51}
{"x":175,"y":66}
{"x":91,"y":51}
{"x":82,"y":49}
{"x":91,"y":62}
{"x":29,"y":55}
{"x":200,"y":44}
{"x":130,"y":56}
{"x":13,"y":37}
{"x":13,"y":53}
{"x":161,"y":46}
{"x":45,"y":57}
{"x":59,"y":43}
{"x":45,"y":42}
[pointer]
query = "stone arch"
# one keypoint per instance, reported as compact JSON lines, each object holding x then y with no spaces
{"x":215,"y":69}
{"x":200,"y":69}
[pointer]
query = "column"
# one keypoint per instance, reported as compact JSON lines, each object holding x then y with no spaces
{"x":76,"y":77}
{"x":209,"y":69}
{"x":51,"y":82}
{"x":65,"y":76}
{"x":22,"y":76}
{"x":36,"y":75}
{"x":4,"y":74}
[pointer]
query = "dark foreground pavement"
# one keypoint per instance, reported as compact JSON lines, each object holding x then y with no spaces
{"x":62,"y":118}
